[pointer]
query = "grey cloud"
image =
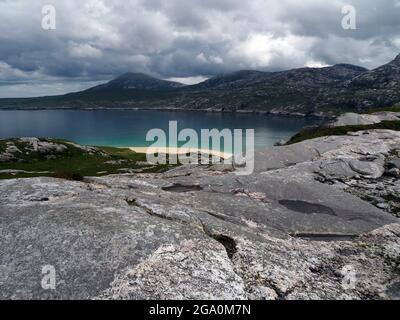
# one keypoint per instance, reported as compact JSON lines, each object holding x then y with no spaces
{"x":99,"y":39}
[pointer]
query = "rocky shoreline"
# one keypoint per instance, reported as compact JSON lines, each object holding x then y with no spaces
{"x":316,"y":115}
{"x":302,"y":226}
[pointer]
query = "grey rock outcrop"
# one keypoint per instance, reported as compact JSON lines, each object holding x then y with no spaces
{"x":41,"y":146}
{"x":291,"y":230}
{"x":350,"y":119}
{"x":9,"y":153}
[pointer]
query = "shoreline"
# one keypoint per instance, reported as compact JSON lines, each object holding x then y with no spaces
{"x":180,"y":151}
{"x":322,"y":116}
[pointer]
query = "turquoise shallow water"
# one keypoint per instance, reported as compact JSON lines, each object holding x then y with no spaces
{"x":123,"y":128}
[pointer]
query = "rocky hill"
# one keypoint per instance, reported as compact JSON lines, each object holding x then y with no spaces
{"x":136,"y":81}
{"x":305,"y":76}
{"x":316,"y":220}
{"x":385,"y":77}
{"x":306,"y":91}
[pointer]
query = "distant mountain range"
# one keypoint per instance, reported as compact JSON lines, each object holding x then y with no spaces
{"x":302,"y":92}
{"x":136,"y":81}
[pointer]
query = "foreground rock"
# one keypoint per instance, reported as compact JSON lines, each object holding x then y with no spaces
{"x":292,"y":230}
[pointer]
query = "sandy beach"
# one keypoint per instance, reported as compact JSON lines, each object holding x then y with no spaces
{"x":224,"y":155}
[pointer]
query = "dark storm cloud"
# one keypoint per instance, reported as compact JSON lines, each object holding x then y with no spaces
{"x":99,"y":39}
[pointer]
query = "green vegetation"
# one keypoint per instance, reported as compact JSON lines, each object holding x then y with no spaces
{"x":71,"y":162}
{"x":92,"y":99}
{"x":339,"y":131}
{"x":395,"y":108}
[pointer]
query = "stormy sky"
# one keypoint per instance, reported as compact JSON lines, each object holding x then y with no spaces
{"x":184,"y":40}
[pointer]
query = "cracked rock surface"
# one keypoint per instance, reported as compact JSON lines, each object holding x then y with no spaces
{"x":291,"y":230}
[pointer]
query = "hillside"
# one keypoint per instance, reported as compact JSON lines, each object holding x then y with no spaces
{"x":33,"y":157}
{"x":304,"y":91}
{"x":136,"y":81}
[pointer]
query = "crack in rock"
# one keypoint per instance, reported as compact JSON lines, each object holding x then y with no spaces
{"x":153,"y":213}
{"x":229,"y":243}
{"x":326,"y":237}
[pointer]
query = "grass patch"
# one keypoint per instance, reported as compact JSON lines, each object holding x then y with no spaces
{"x":73,"y":163}
{"x":395,"y":108}
{"x":340,"y":131}
{"x":124,"y":153}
